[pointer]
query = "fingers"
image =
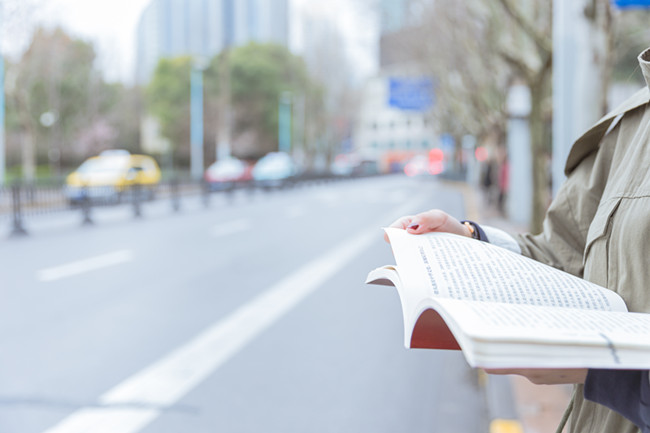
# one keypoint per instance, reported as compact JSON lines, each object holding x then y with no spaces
{"x":401,"y":223}
{"x":433,"y":220}
{"x":436,"y":221}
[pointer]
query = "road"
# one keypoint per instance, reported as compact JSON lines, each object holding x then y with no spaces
{"x":249,"y":315}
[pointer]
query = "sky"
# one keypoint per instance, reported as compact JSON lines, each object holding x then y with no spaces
{"x":111,"y":26}
{"x":354,"y":23}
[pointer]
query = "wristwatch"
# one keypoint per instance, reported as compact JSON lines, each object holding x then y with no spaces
{"x":475,"y":230}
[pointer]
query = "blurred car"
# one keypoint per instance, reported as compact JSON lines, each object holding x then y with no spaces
{"x":274,"y":170}
{"x":423,"y":165}
{"x":417,"y":166}
{"x":110,"y":175}
{"x":228,"y":174}
{"x":366,"y":167}
{"x":344,"y":165}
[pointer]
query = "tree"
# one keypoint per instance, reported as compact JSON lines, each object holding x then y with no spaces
{"x":261,"y":73}
{"x":630,"y":36}
{"x":533,"y":64}
{"x":258,"y":76}
{"x":168,"y":100}
{"x":334,"y":103}
{"x":457,"y":48}
{"x":476,"y":50}
{"x":56,"y":95}
{"x":123,"y":109}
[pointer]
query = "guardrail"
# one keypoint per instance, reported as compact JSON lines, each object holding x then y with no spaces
{"x":21,"y":201}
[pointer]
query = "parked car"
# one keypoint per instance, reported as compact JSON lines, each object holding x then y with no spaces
{"x":344,"y":165}
{"x":366,"y":167}
{"x":274,"y":170}
{"x":111,"y":175}
{"x":423,"y":165}
{"x":228,"y":174}
{"x":417,"y":166}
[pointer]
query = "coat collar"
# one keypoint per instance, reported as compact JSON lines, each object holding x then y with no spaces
{"x":590,"y":140}
{"x":644,"y":62}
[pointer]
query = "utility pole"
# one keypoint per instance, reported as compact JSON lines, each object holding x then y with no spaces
{"x":224,"y":149}
{"x":564,"y":48}
{"x":520,"y":193}
{"x":284,"y":122}
{"x":2,"y":101}
{"x":196,"y":113}
{"x":579,"y":79}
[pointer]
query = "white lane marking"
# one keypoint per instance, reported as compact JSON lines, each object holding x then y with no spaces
{"x":85,"y":265}
{"x":230,"y":228}
{"x":134,"y":403}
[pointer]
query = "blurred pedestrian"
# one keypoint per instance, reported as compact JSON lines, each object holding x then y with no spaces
{"x":597,"y":227}
{"x":487,"y":181}
{"x":503,"y":183}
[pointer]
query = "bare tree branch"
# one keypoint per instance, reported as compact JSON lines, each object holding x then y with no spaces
{"x":517,"y":64}
{"x":541,"y":40}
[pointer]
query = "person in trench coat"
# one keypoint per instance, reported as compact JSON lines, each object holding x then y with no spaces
{"x":597,"y":227}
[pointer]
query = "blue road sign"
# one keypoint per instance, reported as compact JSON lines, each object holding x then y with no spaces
{"x":629,"y":4}
{"x":411,"y":93}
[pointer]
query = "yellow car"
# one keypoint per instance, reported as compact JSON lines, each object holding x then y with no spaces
{"x":108,"y":176}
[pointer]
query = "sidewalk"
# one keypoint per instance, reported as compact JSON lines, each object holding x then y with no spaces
{"x":538,"y":408}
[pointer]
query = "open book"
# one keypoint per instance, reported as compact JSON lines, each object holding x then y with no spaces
{"x":504,"y":310}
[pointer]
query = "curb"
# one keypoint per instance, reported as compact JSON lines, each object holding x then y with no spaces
{"x":505,"y":426}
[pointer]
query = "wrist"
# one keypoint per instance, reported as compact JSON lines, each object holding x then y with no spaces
{"x":470,"y":229}
{"x":474,"y":230}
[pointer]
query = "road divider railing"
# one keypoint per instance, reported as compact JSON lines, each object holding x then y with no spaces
{"x":21,"y":201}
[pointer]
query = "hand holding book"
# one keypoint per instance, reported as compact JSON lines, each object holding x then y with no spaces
{"x":433,"y":220}
{"x":509,"y":314}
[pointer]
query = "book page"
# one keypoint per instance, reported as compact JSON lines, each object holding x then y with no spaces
{"x":442,"y":264}
{"x":498,"y":321}
{"x":502,"y":335}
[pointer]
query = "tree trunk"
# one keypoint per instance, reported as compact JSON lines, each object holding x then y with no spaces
{"x":539,"y":157}
{"x":29,"y":158}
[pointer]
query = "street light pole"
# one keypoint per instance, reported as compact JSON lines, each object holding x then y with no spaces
{"x":223,"y":149}
{"x":284,"y":122}
{"x":196,"y":114}
{"x":2,"y":101}
{"x":520,"y":186}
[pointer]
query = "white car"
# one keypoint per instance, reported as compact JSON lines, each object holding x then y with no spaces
{"x":275,"y":170}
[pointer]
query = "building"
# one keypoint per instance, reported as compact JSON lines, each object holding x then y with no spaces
{"x":389,"y":134}
{"x":394,"y":15}
{"x":394,"y":122}
{"x":203,"y":28}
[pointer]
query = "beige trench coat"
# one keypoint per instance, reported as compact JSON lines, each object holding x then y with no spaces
{"x":598,"y":226}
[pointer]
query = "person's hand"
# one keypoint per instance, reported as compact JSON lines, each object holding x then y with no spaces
{"x":542,"y":376}
{"x":433,"y":220}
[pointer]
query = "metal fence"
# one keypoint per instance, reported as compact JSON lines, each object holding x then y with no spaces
{"x":21,"y":201}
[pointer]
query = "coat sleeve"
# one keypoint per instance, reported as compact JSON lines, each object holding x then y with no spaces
{"x":562,"y":241}
{"x":624,"y":391}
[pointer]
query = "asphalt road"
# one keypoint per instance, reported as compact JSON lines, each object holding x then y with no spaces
{"x":247,"y":316}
